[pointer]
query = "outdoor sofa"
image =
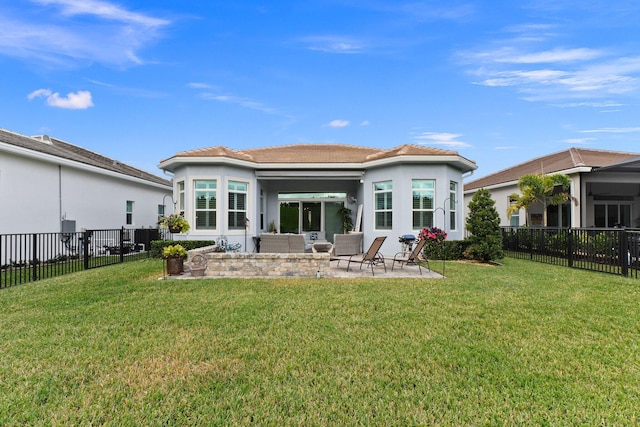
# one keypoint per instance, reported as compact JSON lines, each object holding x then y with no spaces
{"x":282,"y":243}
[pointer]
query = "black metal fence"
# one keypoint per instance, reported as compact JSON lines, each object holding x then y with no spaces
{"x":615,"y":251}
{"x":30,"y":257}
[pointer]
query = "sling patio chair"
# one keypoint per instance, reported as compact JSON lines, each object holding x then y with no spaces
{"x":371,"y":257}
{"x":413,"y":257}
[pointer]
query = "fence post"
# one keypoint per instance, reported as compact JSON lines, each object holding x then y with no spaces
{"x":34,"y":258}
{"x":85,"y":248}
{"x":121,"y":244}
{"x":570,"y":247}
{"x":623,"y":253}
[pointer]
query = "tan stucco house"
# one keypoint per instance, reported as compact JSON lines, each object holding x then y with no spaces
{"x":605,"y":183}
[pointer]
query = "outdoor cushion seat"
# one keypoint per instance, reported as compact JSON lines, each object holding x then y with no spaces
{"x":282,"y":243}
{"x":412,"y":258}
{"x":372,"y":257}
{"x":347,"y":244}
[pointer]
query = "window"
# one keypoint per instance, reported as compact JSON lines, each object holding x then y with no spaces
{"x":453,"y":202}
{"x":423,"y":194}
{"x":514,"y":221}
{"x":383,"y":207}
{"x":181,"y":197}
{"x":261,"y":209}
{"x":129,"y":213}
{"x":237,"y":205}
{"x":205,"y":204}
{"x":612,"y":214}
{"x":311,"y":212}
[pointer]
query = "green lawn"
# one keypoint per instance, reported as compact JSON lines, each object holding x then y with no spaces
{"x":519,"y":344}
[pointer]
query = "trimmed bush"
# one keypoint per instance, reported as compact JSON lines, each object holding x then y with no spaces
{"x":157,"y":246}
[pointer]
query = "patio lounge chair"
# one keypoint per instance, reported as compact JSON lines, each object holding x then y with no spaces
{"x":413,"y":257}
{"x":371,"y":257}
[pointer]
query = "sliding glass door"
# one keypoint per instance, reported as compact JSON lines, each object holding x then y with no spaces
{"x":308,"y":212}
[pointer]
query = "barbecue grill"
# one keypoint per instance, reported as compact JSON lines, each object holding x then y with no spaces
{"x":407,"y":241}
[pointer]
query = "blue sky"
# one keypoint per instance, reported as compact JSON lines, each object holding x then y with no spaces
{"x":498,"y":81}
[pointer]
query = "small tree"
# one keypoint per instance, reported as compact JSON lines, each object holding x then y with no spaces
{"x":483,"y":222}
{"x":544,"y":189}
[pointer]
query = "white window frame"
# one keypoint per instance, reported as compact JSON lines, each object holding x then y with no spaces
{"x":129,"y":205}
{"x":453,"y":203}
{"x":514,"y":221}
{"x":230,"y":191}
{"x":180,"y":191}
{"x":194,"y":191}
{"x":421,"y":192}
{"x":386,"y":190}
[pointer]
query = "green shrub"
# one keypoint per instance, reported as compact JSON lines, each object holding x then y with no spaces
{"x":446,"y":250}
{"x":483,"y":224}
{"x":157,"y":246}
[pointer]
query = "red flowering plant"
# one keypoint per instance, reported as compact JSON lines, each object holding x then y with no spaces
{"x":432,"y":234}
{"x":434,"y":237}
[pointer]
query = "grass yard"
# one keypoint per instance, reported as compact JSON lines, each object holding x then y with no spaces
{"x":520,"y":344}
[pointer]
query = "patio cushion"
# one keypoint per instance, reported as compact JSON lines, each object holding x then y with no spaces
{"x":347,"y":244}
{"x":281,"y":243}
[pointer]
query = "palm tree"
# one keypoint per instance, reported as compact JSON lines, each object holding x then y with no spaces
{"x":544,"y":189}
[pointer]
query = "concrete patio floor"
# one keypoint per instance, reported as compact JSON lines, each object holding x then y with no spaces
{"x":338,"y":269}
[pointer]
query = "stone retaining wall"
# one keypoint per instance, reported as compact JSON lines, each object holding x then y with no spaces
{"x":223,"y":264}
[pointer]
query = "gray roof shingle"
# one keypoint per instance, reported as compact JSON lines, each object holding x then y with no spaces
{"x":57,"y":148}
{"x":552,"y":163}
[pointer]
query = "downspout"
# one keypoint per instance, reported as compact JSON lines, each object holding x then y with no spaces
{"x":60,"y":196}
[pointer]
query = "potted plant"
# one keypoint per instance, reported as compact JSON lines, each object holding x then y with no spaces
{"x":175,"y":223}
{"x":345,"y":219}
{"x":175,"y":255}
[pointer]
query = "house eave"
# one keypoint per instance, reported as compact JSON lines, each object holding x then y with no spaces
{"x":569,"y":172}
{"x":459,"y":162}
{"x":309,"y":174}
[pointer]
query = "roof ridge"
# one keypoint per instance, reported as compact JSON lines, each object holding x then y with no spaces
{"x":309,"y":144}
{"x":576,"y":157}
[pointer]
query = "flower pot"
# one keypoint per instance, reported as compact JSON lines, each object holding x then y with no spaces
{"x":175,"y":229}
{"x":197,"y":272}
{"x":175,"y":266}
{"x":197,"y":265}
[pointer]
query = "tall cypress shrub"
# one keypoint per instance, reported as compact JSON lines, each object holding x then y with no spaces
{"x":483,"y":224}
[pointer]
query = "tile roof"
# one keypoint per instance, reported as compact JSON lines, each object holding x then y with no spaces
{"x":553,"y":163}
{"x":57,"y":148}
{"x":315,"y":153}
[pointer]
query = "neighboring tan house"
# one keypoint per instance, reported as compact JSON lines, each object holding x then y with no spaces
{"x":300,"y":189}
{"x":606,"y":185}
{"x":45,"y":181}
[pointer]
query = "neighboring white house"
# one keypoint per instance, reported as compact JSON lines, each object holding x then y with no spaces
{"x":605,"y":183}
{"x":44,"y":181}
{"x":300,"y":188}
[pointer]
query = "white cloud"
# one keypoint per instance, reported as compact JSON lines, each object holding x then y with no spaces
{"x":104,"y":10}
{"x":237,"y":100}
{"x":365,"y":123}
{"x":613,"y":130}
{"x":528,"y":62}
{"x":80,"y":100}
{"x":338,"y":123}
{"x":334,"y":44}
{"x":195,"y":85}
{"x":579,"y":141}
{"x":443,"y":138}
{"x":62,"y":36}
{"x":549,"y":56}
